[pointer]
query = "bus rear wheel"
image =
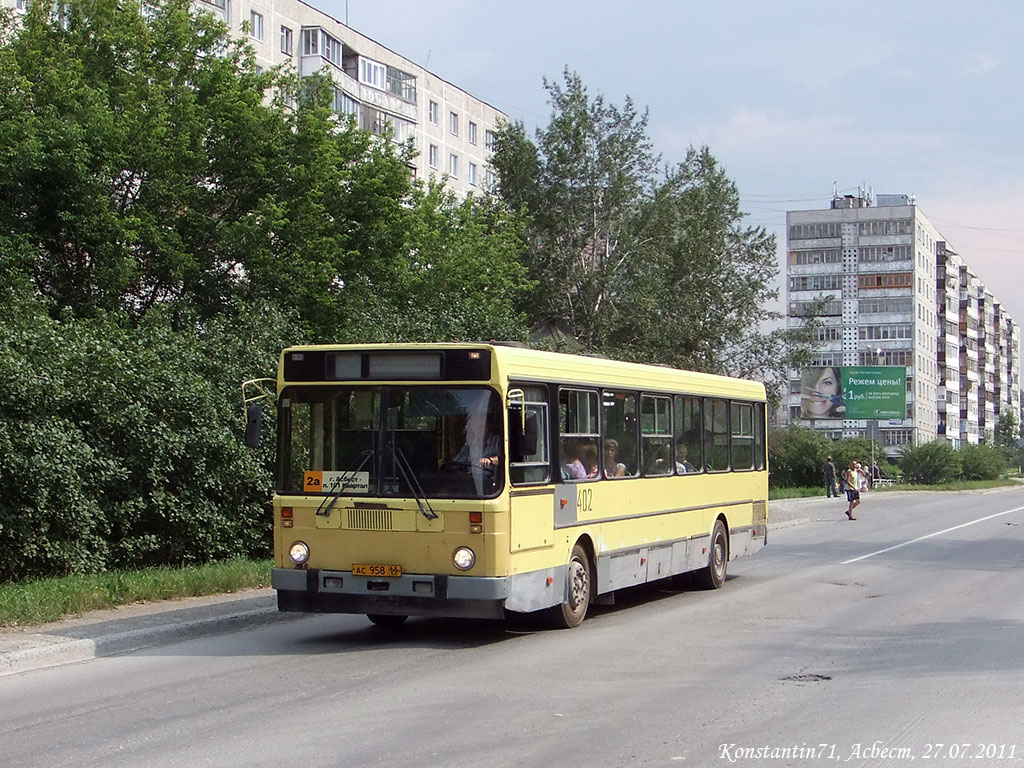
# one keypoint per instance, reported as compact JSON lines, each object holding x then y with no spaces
{"x":571,"y":613}
{"x":712,"y":576}
{"x":386,"y":620}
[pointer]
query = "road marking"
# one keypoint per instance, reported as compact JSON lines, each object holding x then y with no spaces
{"x":930,"y":535}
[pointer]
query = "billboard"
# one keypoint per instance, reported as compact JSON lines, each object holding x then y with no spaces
{"x":854,"y":392}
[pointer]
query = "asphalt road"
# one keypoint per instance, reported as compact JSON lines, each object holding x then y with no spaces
{"x":863,"y":643}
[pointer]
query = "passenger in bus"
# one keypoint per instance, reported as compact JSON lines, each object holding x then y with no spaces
{"x":572,"y":467}
{"x":682,"y":465}
{"x":588,"y":456}
{"x":612,"y":466}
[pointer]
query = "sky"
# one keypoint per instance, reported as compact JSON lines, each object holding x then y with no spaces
{"x":794,"y":99}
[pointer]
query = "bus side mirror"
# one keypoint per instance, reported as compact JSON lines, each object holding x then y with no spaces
{"x":522,"y":433}
{"x":253,"y":426}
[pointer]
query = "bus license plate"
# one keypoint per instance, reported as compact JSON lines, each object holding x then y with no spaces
{"x":386,"y":571}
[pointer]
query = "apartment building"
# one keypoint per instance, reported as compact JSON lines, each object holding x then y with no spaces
{"x":888,"y":289}
{"x":452,"y":131}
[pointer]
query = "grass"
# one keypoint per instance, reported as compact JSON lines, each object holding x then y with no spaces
{"x":45,"y":600}
{"x":958,"y":485}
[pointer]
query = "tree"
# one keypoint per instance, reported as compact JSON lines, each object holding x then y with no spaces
{"x":636,"y":262}
{"x":706,"y":287}
{"x":461,"y":278}
{"x":583,"y":184}
{"x":1008,"y":438}
{"x":116,"y":155}
{"x":169,"y":219}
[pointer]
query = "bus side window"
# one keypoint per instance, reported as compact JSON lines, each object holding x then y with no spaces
{"x":716,"y":435}
{"x":619,"y":428}
{"x":689,"y":426}
{"x":656,"y":432}
{"x":577,"y":434}
{"x":742,"y":436}
{"x":534,"y":467}
{"x":759,"y":436}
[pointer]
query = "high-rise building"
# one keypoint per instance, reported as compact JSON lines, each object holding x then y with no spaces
{"x":452,"y":131}
{"x":888,"y":289}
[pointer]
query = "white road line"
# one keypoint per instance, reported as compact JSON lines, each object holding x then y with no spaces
{"x":930,"y":535}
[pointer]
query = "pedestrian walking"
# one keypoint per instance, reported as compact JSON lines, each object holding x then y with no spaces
{"x":831,"y":489}
{"x":852,"y":479}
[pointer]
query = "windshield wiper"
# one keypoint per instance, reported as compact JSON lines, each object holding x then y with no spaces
{"x":347,"y":483}
{"x":414,"y":485}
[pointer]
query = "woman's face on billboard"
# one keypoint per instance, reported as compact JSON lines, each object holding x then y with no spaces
{"x":819,"y":402}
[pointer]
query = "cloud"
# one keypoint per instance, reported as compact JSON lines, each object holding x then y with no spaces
{"x":981,"y":63}
{"x":832,"y":139}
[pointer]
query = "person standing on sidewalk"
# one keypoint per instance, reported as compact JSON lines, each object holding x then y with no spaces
{"x":831,"y":489}
{"x":852,"y":478}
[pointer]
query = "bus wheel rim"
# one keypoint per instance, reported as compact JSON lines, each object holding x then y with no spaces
{"x":719,"y":554}
{"x":578,"y":586}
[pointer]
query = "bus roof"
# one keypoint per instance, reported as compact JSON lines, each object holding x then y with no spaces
{"x":523,"y":364}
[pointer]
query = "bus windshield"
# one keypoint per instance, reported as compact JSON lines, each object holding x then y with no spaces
{"x":442,"y":442}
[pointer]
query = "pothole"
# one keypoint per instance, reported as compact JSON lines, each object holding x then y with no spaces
{"x":806,"y":678}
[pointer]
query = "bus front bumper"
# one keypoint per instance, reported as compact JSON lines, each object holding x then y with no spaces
{"x":317,"y":591}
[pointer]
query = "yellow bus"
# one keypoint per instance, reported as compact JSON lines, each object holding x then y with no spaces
{"x":474,"y":480}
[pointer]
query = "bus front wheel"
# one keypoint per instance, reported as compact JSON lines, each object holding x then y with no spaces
{"x":571,"y":613}
{"x":712,"y":576}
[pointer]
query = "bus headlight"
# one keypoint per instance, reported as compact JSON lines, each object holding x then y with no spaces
{"x":463,"y":558}
{"x":299,"y":552}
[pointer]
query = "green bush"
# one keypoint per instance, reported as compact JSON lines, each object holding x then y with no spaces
{"x":796,"y":457}
{"x":930,"y":463}
{"x":982,"y":462}
{"x":121,"y":447}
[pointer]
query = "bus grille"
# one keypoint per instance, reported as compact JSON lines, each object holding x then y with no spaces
{"x":369,"y":519}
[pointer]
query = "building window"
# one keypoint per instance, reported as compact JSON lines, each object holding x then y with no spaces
{"x":432,"y":112}
{"x":887,"y":280}
{"x":816,"y":256}
{"x":472,"y":132}
{"x":453,"y":166}
{"x":345,"y":104}
{"x":472,"y":174}
{"x":816,"y":283}
{"x":256,"y":25}
{"x":887,"y":227}
{"x":372,"y":120}
{"x":453,"y":123}
{"x":373,"y":73}
{"x":814,"y":231}
{"x":332,"y":50}
{"x":286,"y":41}
{"x":490,"y":181}
{"x":489,"y":140}
{"x":310,"y":42}
{"x":432,"y":156}
{"x":402,"y":84}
